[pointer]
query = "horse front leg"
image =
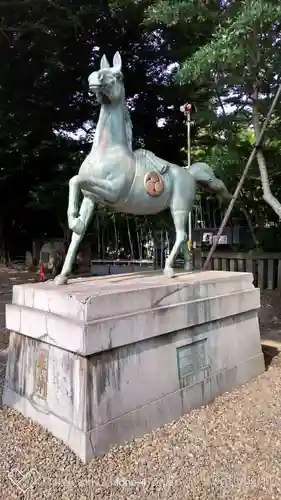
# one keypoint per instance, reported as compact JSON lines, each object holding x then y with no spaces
{"x":108,"y":191}
{"x":85,"y":215}
{"x":74,"y":221}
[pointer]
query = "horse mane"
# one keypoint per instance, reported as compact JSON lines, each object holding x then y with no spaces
{"x":129,"y":126}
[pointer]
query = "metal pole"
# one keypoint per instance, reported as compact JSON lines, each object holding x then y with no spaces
{"x":188,"y":164}
{"x":187,"y":109}
{"x":243,"y":177}
{"x":189,"y":263}
{"x":189,"y":242}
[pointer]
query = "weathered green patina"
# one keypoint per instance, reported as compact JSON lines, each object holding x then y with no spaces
{"x":135,"y":182}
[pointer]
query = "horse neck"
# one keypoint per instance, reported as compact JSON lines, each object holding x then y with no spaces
{"x":111,"y":128}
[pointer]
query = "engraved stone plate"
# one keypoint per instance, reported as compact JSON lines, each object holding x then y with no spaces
{"x":192,"y":363}
{"x":41,"y":376}
{"x":61,"y":383}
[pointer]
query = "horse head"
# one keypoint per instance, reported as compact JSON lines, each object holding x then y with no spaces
{"x":107,"y":82}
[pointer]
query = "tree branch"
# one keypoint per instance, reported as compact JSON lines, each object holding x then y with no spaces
{"x":26,"y":29}
{"x":19,"y":3}
{"x":221,"y":103}
{"x":274,"y":174}
{"x":267,"y":194}
{"x":243,"y":177}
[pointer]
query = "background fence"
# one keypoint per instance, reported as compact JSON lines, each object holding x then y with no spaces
{"x":266,"y":268}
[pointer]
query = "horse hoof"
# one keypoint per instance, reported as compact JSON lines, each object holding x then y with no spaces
{"x":169,"y":272}
{"x":60,"y":280}
{"x":77,"y":226}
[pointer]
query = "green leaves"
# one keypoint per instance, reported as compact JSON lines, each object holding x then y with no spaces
{"x":171,"y":12}
{"x":245,"y":31}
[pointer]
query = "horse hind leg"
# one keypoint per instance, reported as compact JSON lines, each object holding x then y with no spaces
{"x":85,"y":215}
{"x":180,"y":221}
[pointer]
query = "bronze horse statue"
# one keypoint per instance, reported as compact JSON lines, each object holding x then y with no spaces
{"x":135,"y":182}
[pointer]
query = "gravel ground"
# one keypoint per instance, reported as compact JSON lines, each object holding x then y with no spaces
{"x":230,"y":449}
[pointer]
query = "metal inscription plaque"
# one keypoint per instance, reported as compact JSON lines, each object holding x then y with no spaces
{"x":41,"y":375}
{"x":193,"y":365}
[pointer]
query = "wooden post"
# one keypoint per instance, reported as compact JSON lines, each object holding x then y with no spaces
{"x":279,"y":275}
{"x":270,"y":272}
{"x":197,"y":255}
{"x":261,"y":274}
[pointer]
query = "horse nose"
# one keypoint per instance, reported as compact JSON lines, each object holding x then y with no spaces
{"x":94,"y":81}
{"x":100,"y":78}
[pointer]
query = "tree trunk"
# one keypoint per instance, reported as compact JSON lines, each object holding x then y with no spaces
{"x":267,"y":194}
{"x":36,"y":248}
{"x":2,"y":244}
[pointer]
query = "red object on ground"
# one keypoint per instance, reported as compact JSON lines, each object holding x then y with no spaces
{"x":42,"y":274}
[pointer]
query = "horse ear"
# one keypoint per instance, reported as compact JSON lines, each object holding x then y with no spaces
{"x":117,"y":61}
{"x":104,"y":62}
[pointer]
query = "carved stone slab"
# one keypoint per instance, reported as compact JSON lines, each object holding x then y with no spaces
{"x":41,"y":376}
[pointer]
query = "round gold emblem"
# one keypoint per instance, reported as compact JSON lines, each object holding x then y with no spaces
{"x":153,"y":184}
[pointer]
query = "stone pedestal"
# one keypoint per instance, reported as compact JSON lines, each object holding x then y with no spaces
{"x":102,"y":360}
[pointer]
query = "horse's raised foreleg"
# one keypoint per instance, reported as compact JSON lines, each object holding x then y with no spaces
{"x":74,"y":222}
{"x":85,"y":215}
{"x":180,"y":220}
{"x":107,"y":190}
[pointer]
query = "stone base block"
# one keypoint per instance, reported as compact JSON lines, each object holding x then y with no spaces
{"x":103,"y":360}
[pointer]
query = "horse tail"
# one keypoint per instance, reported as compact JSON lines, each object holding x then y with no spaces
{"x":206,"y":179}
